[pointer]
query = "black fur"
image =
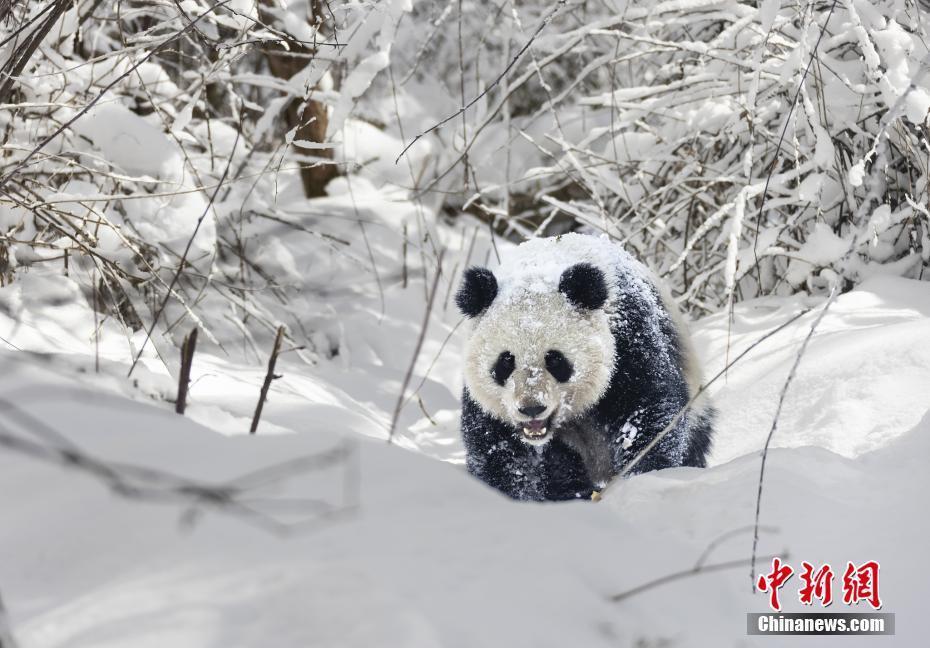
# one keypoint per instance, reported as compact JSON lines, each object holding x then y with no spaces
{"x":584,"y":286}
{"x":478,"y":290}
{"x":495,"y":454}
{"x":504,"y":366}
{"x":647,"y":390}
{"x":701,"y":431}
{"x":559,"y":366}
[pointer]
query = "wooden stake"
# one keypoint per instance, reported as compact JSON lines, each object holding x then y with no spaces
{"x":269,"y":376}
{"x":187,"y":359}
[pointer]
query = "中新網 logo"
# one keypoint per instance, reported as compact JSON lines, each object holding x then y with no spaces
{"x":859,"y":583}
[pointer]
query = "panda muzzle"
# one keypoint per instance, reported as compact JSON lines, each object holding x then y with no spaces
{"x":536,"y":428}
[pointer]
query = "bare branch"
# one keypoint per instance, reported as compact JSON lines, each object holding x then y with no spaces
{"x":236,"y":497}
{"x":697,"y":570}
{"x":416,"y":350}
{"x":461,"y":111}
{"x":768,"y":440}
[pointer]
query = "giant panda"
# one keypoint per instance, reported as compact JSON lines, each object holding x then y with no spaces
{"x":575,"y":360}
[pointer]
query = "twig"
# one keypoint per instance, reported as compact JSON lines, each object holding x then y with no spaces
{"x":403,"y":255}
{"x":269,"y":376}
{"x":41,"y":145}
{"x":95,"y":306}
{"x":187,"y":249}
{"x":723,"y":537}
{"x":416,"y":350}
{"x":768,"y":440}
{"x":686,"y":573}
{"x":187,"y":359}
{"x":490,"y":86}
{"x":425,"y":413}
{"x":233,"y":497}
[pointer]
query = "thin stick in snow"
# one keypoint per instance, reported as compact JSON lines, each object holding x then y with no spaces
{"x":723,"y":537}
{"x":685,"y":573}
{"x":768,"y":440}
{"x":187,"y":359}
{"x":403,"y":254}
{"x":269,"y":376}
{"x":416,"y":350}
{"x":182,"y":263}
{"x":96,"y":323}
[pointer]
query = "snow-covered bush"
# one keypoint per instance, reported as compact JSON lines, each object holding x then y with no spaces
{"x":152,"y":148}
{"x":742,"y":148}
{"x":167,"y":154}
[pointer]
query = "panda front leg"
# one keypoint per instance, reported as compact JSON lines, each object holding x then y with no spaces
{"x":565,"y":476}
{"x":495,"y":455}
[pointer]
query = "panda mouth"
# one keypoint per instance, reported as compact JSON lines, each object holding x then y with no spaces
{"x":536,"y":430}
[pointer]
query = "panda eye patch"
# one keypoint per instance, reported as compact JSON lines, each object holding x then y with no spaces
{"x":503,"y":367}
{"x":558,"y":365}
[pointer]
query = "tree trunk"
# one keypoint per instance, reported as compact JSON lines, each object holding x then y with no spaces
{"x":310,"y":118}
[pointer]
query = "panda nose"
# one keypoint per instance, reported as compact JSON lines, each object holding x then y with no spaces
{"x":532,"y":410}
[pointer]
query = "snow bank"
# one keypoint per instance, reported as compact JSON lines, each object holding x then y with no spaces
{"x":434,"y":558}
{"x":863,"y":382}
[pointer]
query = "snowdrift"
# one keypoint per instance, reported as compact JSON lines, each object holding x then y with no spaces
{"x":427,"y":556}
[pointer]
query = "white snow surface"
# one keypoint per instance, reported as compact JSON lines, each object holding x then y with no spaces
{"x":431,"y":557}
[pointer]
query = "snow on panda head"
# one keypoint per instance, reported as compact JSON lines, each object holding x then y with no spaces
{"x":540,"y":353}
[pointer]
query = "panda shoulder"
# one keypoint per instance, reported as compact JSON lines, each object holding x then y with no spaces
{"x":689,"y":360}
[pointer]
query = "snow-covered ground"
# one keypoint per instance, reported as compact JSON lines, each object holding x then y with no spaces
{"x":124,"y":525}
{"x":429,"y":556}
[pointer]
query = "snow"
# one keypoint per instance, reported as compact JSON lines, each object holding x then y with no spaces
{"x":536,"y":265}
{"x":857,"y":173}
{"x":432,"y":557}
{"x":425,"y":555}
{"x":863,"y":383}
{"x":120,"y":135}
{"x":822,"y":248}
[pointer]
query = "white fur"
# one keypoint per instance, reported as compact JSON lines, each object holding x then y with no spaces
{"x":528,"y":326}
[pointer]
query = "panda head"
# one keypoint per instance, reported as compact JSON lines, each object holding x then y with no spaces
{"x":539,"y":355}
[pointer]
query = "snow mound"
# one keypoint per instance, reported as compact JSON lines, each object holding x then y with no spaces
{"x":863,"y":382}
{"x":430,"y":557}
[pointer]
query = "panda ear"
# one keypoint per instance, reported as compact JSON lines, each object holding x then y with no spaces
{"x":478,"y":290}
{"x":584,"y":286}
